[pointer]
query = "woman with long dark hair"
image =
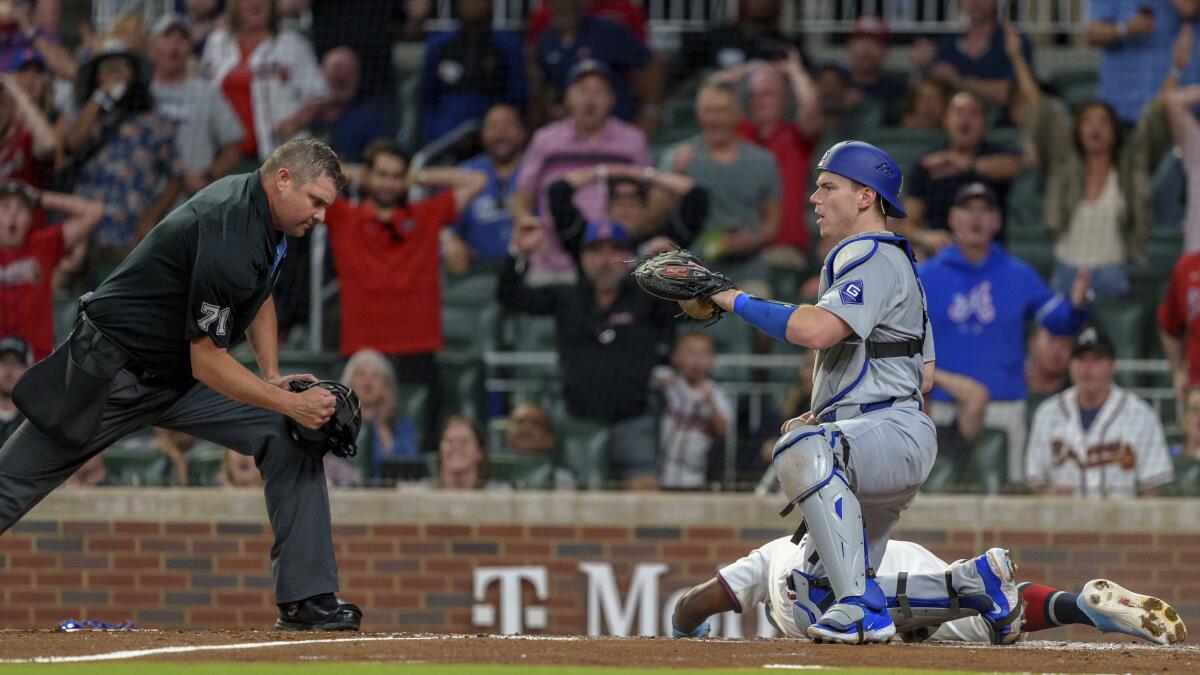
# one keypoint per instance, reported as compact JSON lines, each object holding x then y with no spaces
{"x":1097,"y":195}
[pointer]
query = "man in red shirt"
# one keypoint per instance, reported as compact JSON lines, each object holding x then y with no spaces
{"x":28,"y":255}
{"x":791,"y":142}
{"x":385,"y":250}
{"x":1179,"y":321}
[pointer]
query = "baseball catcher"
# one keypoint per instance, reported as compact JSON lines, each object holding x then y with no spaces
{"x":681,"y":276}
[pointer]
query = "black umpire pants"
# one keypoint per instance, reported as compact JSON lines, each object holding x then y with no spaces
{"x":302,"y":559}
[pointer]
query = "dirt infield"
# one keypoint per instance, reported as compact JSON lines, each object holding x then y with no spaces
{"x":1063,"y":657}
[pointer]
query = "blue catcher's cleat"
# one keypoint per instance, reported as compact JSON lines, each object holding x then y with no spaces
{"x":1007,"y":612}
{"x":856,"y":620}
{"x":1116,"y":610}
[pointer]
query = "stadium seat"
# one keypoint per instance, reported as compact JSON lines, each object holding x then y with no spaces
{"x":940,"y":479}
{"x":1005,"y":137}
{"x":1038,"y":253}
{"x":531,"y":333}
{"x":1076,"y":86}
{"x":987,"y":470}
{"x":678,"y":121}
{"x":585,"y":451}
{"x":204,"y":464}
{"x":414,"y":402}
{"x":1023,"y":209}
{"x":134,"y":462}
{"x":522,"y":471}
{"x":469,"y":288}
{"x":462,"y":388}
{"x":470,"y":327}
{"x":1187,"y":478}
{"x":906,"y":146}
{"x":1168,"y":190}
{"x":1125,"y":324}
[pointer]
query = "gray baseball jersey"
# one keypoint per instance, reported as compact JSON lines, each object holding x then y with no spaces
{"x":869,"y":282}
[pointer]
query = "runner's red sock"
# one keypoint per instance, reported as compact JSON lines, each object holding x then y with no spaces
{"x":1047,"y":607}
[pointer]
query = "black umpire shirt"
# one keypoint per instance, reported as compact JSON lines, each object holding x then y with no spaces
{"x":204,"y":270}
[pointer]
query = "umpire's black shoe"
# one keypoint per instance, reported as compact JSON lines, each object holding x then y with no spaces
{"x":320,"y":612}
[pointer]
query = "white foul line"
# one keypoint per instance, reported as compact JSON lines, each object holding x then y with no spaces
{"x":138,"y":653}
{"x":188,"y":649}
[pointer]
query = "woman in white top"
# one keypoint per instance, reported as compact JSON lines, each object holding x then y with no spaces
{"x":1097,"y":189}
{"x":270,"y":77}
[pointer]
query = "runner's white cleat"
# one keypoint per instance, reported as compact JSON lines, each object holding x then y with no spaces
{"x":1116,"y":610}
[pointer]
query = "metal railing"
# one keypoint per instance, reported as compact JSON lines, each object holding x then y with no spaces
{"x":940,"y":16}
{"x":756,"y":395}
{"x":815,"y":16}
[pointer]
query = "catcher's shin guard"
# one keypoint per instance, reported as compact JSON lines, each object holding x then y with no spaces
{"x":809,"y":476}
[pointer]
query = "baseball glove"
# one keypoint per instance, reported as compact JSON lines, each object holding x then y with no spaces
{"x":340,"y":434}
{"x":681,"y":276}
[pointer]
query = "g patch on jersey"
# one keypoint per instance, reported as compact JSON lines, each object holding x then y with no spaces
{"x":852,"y":292}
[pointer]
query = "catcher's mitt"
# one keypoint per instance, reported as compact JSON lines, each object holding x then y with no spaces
{"x":340,"y":434}
{"x":681,"y":276}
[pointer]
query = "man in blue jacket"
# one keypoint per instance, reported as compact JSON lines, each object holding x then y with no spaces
{"x":979,"y":299}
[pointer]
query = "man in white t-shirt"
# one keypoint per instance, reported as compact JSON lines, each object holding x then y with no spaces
{"x":1096,"y":439}
{"x":208,"y":133}
{"x":922,"y":589}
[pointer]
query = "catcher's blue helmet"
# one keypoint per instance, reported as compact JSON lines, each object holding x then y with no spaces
{"x":870,"y":166}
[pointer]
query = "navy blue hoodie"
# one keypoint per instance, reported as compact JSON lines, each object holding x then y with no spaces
{"x":978,"y":313}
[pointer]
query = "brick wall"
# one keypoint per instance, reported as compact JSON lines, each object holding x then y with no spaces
{"x":73,"y":559}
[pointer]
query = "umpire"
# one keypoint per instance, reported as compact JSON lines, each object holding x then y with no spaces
{"x":150,"y":347}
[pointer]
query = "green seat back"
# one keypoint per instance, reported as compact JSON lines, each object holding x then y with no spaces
{"x":987,"y":469}
{"x":470,"y":327}
{"x":134,"y":462}
{"x":585,"y":452}
{"x":1039,"y":254}
{"x":940,"y":479}
{"x":523,"y":471}
{"x":204,"y":464}
{"x":1187,"y":478}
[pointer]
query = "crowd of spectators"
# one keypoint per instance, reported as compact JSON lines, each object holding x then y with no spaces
{"x":577,"y":169}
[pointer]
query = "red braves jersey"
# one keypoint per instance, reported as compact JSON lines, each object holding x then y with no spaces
{"x":26,"y":302}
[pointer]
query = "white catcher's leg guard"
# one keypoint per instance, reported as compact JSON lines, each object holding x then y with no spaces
{"x":811,"y":477}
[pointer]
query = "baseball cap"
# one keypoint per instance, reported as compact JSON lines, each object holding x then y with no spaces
{"x":19,"y":188}
{"x":1090,"y":339}
{"x":871,"y":26}
{"x":169,"y":21}
{"x":26,"y":57}
{"x":14,"y":345}
{"x":589,"y":67}
{"x":976,"y":190}
{"x":604,"y":230}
